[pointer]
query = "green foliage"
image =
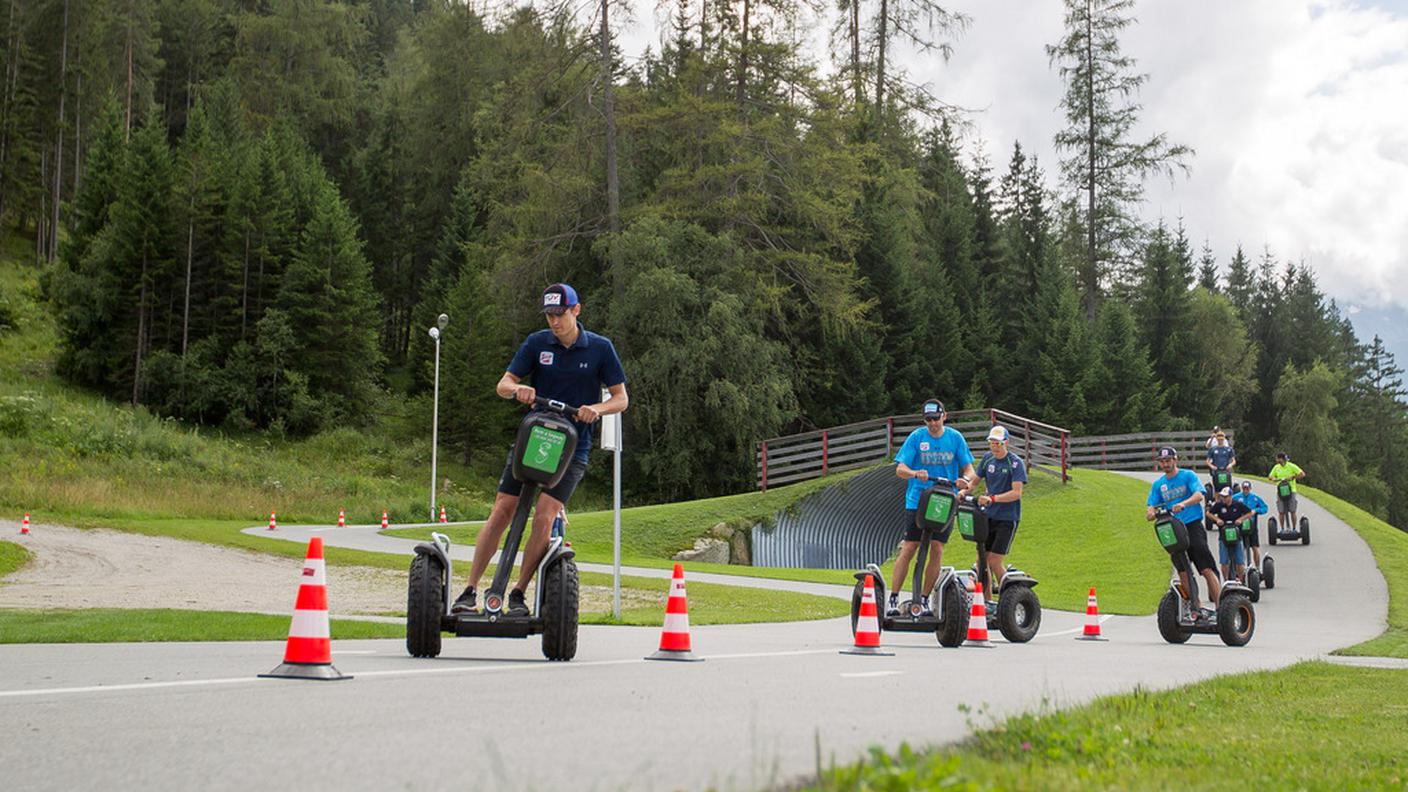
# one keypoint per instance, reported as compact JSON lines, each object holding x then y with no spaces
{"x":1225,"y":360}
{"x":1306,"y":407}
{"x":1123,"y":395}
{"x":12,"y":557}
{"x":106,"y":625}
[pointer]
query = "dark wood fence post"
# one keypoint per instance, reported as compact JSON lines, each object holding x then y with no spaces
{"x":825,"y":453}
{"x":765,"y":466}
{"x":1064,"y":477}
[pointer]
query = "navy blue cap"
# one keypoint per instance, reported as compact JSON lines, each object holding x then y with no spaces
{"x":1168,"y":452}
{"x":558,"y":297}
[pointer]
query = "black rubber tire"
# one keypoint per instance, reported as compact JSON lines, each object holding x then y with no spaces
{"x":1254,"y":583}
{"x":857,"y":593}
{"x":1271,"y":530}
{"x":1305,"y":530}
{"x":1268,"y":572}
{"x":1236,"y":619}
{"x":1019,"y":614}
{"x":953,"y":629}
{"x":561,"y":592}
{"x":1169,"y":627}
{"x":425,"y":603}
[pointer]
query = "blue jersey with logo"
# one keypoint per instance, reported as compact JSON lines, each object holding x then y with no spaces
{"x":1221,"y":456}
{"x":574,"y":374}
{"x":999,"y":474}
{"x":1168,"y":491}
{"x":944,"y":456}
{"x":1252,"y":501}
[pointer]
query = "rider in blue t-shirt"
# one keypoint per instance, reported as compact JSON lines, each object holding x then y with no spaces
{"x":930,"y":452}
{"x":1258,"y":507}
{"x":1005,"y":474}
{"x":1179,"y":491}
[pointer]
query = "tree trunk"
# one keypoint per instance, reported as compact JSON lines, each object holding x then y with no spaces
{"x":1093,"y":286}
{"x":59,"y":143}
{"x":880,"y":59}
{"x":141,"y":336}
{"x":127,"y":116}
{"x":857,"y":80}
{"x":743,"y":57}
{"x":613,"y":185}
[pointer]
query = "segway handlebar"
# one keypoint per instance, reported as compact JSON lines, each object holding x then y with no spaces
{"x":553,"y":405}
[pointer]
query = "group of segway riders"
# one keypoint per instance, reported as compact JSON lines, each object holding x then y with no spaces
{"x":569,"y":367}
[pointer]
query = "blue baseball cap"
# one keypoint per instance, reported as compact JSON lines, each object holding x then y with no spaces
{"x":558,"y":297}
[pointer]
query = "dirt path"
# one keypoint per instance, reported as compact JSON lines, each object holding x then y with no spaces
{"x":72,"y":568}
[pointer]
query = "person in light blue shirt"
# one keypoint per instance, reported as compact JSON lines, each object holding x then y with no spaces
{"x":1180,"y":491}
{"x":1258,"y":507}
{"x":932,"y":451}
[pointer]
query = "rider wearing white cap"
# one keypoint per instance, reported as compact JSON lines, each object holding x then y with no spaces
{"x":1225,"y":511}
{"x":1005,"y":474}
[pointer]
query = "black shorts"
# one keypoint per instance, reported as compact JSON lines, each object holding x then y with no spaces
{"x":1254,"y":535}
{"x":1198,"y":551}
{"x":912,"y":532}
{"x":1000,"y":536}
{"x":509,"y":485}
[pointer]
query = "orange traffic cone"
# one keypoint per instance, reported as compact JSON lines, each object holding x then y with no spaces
{"x":978,"y":620}
{"x":341,"y":518}
{"x":674,"y":638}
{"x":1092,"y":620}
{"x":384,"y":522}
{"x":24,"y":526}
{"x":442,"y":514}
{"x":867,"y":641}
{"x":309,"y":651}
{"x":273,"y":526}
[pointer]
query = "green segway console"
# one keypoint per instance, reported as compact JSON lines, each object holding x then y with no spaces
{"x":1220,"y":479}
{"x":545,"y":444}
{"x":972,"y":521}
{"x":936,"y":507}
{"x":1284,"y":490}
{"x":1171,"y":532}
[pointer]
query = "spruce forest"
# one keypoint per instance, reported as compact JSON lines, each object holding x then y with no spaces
{"x":248,"y":212}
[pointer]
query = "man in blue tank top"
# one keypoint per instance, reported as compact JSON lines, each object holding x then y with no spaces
{"x":930,"y":452}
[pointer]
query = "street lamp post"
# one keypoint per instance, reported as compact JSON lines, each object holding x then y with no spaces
{"x":440,"y":323}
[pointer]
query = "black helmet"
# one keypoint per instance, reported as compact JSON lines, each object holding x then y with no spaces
{"x":1168,"y":452}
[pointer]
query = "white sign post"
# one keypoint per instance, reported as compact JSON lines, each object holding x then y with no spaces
{"x":611,"y":441}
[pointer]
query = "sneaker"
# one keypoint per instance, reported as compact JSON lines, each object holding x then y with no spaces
{"x":924,"y":607}
{"x":467,"y":603}
{"x":893,"y":608}
{"x":516,"y":605}
{"x":1207,"y":615}
{"x":991,"y":610}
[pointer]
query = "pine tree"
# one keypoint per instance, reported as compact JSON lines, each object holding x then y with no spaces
{"x":1121,"y":392}
{"x":1103,"y":162}
{"x":1241,"y":288}
{"x":1207,"y":269}
{"x":1161,"y":301}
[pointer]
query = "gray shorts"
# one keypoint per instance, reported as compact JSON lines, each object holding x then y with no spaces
{"x":1288,"y":504}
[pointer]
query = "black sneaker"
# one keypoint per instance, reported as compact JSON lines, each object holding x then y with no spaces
{"x":516,"y":605}
{"x":893,"y":608}
{"x":924,"y":609}
{"x":467,"y":603}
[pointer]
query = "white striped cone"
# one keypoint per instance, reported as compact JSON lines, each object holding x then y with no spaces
{"x":384,"y":521}
{"x":341,"y":518}
{"x":867,"y":637}
{"x":273,"y":525}
{"x":978,"y":620}
{"x":1092,"y":620}
{"x":674,"y":637}
{"x":24,"y":526}
{"x":442,"y":515}
{"x":308,"y":654}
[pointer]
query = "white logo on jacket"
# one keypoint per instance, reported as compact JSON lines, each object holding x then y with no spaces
{"x":545,"y":358}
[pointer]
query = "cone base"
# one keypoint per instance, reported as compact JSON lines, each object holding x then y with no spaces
{"x":874,"y":651}
{"x":1091,"y":638}
{"x":678,"y":655}
{"x":307,"y":671}
{"x":983,"y":644}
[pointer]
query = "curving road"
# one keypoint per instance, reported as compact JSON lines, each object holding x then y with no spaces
{"x":769,"y":703}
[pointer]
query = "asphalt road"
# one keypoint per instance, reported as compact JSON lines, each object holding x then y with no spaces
{"x":769,"y":702}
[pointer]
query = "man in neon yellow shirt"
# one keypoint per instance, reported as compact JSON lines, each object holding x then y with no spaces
{"x":1289,"y":472}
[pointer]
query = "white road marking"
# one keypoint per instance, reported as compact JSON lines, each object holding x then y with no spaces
{"x":353,"y":651}
{"x":457,"y":669}
{"x":1103,"y":619}
{"x":867,"y":674}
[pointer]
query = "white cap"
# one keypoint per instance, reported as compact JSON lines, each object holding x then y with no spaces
{"x":998,"y":433}
{"x":1225,"y":491}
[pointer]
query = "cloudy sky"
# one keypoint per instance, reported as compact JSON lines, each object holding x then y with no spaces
{"x":1298,"y":112}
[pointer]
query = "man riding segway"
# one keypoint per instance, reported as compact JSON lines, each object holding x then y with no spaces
{"x":1284,"y":474}
{"x":1258,"y":507}
{"x":1221,"y":460}
{"x":1179,"y":492}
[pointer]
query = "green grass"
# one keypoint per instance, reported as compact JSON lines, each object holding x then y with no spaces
{"x":1088,"y":532}
{"x":1310,"y":726}
{"x":160,"y":624}
{"x":711,"y":603}
{"x":12,"y":557}
{"x":1390,"y":547}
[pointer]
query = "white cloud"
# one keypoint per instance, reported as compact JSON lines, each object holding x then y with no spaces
{"x":1298,"y":112}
